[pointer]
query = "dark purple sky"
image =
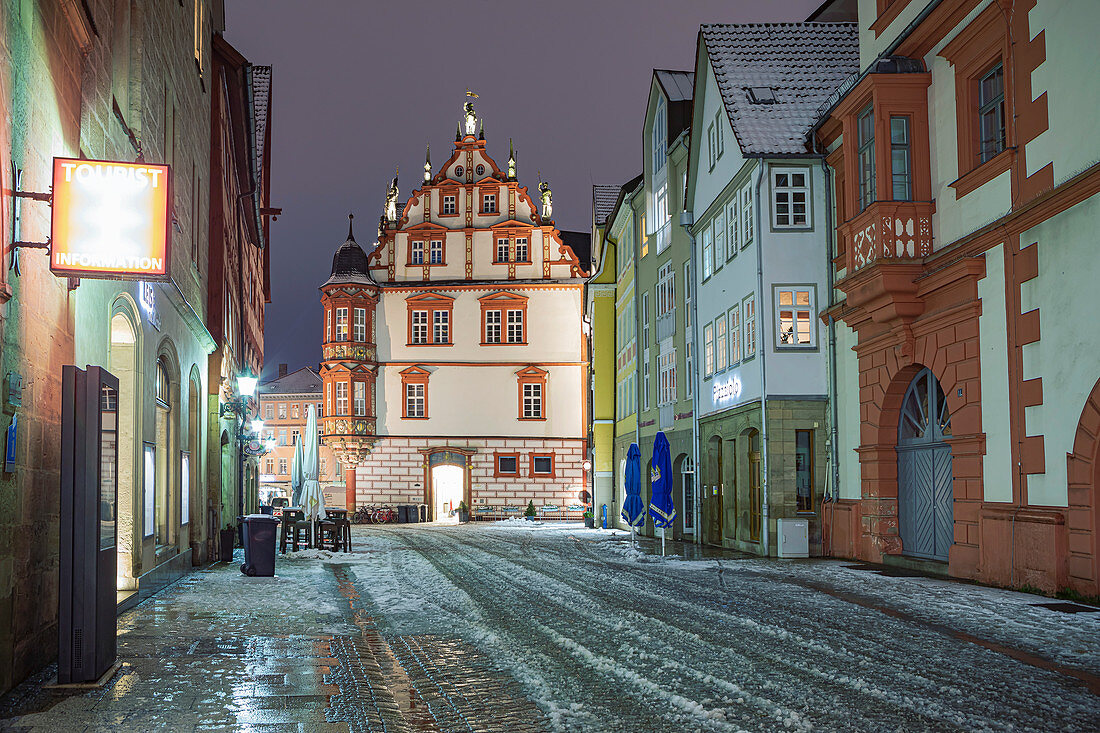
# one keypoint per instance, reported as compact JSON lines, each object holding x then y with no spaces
{"x":359,"y":87}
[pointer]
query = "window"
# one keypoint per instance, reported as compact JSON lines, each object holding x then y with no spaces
{"x":294,"y":434}
{"x":269,"y":411}
{"x":361,"y":324}
{"x":708,"y":252}
{"x":328,"y":324}
{"x":502,"y":250}
{"x":492,"y":327}
{"x":645,"y":320}
{"x":720,"y":239}
{"x":645,"y":380}
{"x":328,"y":398}
{"x":747,"y":217}
{"x":733,"y":226}
{"x":507,"y":464}
{"x":414,"y":400}
{"x":341,"y":324}
{"x":666,"y":378}
{"x":341,"y":398}
{"x":294,"y":410}
{"x":532,"y":401}
{"x":360,"y":399}
{"x":901,"y":172}
{"x":324,"y":467}
{"x":489,"y":203}
{"x":721,"y":352}
{"x":991,"y":113}
{"x":708,"y":349}
{"x":479,"y":170}
{"x":449,"y":205}
{"x":515,"y":326}
{"x":532,"y":393}
{"x":660,"y":135}
{"x":435,"y":254}
{"x":804,"y":470}
{"x":282,"y":411}
{"x":200,"y":35}
{"x":441,"y":331}
{"x":790,"y":198}
{"x":416,"y":253}
{"x":734,"y":318}
{"x":542,"y":464}
{"x":719,"y":142}
{"x":794,"y":316}
{"x":521,"y":250}
{"x":414,"y":386}
{"x":748,"y":324}
{"x":712,"y":146}
{"x":419,"y":327}
{"x":282,"y":436}
{"x":459,"y":171}
{"x":666,"y":290}
{"x":269,"y":466}
{"x":865,"y":125}
{"x":163,"y":385}
{"x":282,"y":467}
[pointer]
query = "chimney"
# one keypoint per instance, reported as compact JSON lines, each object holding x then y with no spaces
{"x":282,"y":370}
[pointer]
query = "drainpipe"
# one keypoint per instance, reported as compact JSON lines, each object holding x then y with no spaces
{"x":765,"y":534}
{"x":637,"y":335}
{"x":834,"y":448}
{"x":687,"y":219}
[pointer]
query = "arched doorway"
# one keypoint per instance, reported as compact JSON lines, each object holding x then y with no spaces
{"x":190,"y":469}
{"x":925,"y":498}
{"x":713,"y":511}
{"x":123,"y":363}
{"x":447,"y":486}
{"x":166,"y":411}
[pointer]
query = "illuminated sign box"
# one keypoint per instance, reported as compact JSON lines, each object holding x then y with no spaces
{"x":110,"y":220}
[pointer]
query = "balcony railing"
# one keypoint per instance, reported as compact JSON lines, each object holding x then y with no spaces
{"x":889,"y":230}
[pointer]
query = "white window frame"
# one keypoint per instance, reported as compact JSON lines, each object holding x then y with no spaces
{"x":450,"y":204}
{"x":419,"y":333}
{"x":341,"y":399}
{"x":712,"y":147}
{"x":522,"y":242}
{"x":718,"y":133}
{"x":719,"y":225}
{"x":733,"y":226}
{"x":733,"y":317}
{"x":503,"y":246}
{"x":660,"y":136}
{"x":515,"y":326}
{"x":359,"y":393}
{"x":645,"y":320}
{"x":341,"y":324}
{"x":666,"y":377}
{"x":791,"y":196}
{"x":747,"y":216}
{"x":707,"y":243}
{"x":748,"y":325}
{"x":441,"y":326}
{"x":794,"y":309}
{"x":532,"y":401}
{"x":435,"y":247}
{"x":416,"y":253}
{"x":282,"y":411}
{"x":708,"y":350}
{"x":416,"y":394}
{"x":492,"y":326}
{"x":721,"y":345}
{"x":360,"y":325}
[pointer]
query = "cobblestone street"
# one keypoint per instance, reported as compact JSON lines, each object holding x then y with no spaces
{"x":529,"y":628}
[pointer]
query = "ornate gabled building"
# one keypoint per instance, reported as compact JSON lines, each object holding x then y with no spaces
{"x":472,"y":386}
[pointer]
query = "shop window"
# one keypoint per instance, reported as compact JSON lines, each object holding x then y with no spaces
{"x":794,"y":316}
{"x":542,"y":465}
{"x":506,"y":464}
{"x":804,"y":469}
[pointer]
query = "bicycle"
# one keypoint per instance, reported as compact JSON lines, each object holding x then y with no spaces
{"x":362,"y":515}
{"x":384,"y":515}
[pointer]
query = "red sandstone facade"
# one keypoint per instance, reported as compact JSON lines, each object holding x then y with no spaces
{"x":977,"y":305}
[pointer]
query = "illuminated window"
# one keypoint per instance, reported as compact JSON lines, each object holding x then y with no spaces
{"x":341,"y":398}
{"x":708,"y":349}
{"x":294,"y":410}
{"x":720,"y":347}
{"x":360,"y":399}
{"x":360,"y":324}
{"x":341,"y":324}
{"x":748,"y":315}
{"x":794,"y":317}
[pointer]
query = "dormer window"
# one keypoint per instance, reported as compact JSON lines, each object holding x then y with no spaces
{"x":480,"y":170}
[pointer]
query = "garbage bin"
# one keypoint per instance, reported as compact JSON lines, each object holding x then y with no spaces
{"x":413,"y":512}
{"x":259,"y":544}
{"x":402,"y":514}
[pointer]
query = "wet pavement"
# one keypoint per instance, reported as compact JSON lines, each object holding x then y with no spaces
{"x":511,"y":627}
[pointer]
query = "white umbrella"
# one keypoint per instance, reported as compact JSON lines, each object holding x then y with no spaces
{"x":296,"y":473}
{"x":313,"y":499}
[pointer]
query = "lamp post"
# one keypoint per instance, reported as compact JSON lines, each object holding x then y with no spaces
{"x":240,"y":407}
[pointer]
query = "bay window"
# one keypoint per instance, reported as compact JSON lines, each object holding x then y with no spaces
{"x":865,"y":126}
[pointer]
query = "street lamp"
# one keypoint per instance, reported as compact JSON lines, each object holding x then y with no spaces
{"x":240,"y":407}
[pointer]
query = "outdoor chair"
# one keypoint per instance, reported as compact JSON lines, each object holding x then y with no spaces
{"x":339,"y":517}
{"x":286,"y":526}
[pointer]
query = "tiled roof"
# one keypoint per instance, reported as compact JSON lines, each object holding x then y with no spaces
{"x":677,"y":84}
{"x":303,"y":381}
{"x":349,"y":263}
{"x":261,"y":98}
{"x":802,"y":63}
{"x":603,"y":202}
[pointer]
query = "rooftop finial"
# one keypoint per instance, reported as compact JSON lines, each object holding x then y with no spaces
{"x":511,"y":160}
{"x":428,"y":165}
{"x":351,"y":237}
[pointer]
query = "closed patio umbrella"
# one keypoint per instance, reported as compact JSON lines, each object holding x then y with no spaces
{"x":313,"y":499}
{"x":296,"y":473}
{"x":633,"y":511}
{"x":661,"y":508}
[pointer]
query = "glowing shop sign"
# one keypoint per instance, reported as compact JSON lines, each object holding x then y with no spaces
{"x":110,"y":220}
{"x":727,"y":390}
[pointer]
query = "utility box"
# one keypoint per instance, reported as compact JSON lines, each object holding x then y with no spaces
{"x":89,"y":525}
{"x":794,"y":538}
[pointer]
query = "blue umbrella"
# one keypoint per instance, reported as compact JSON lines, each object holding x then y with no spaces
{"x":661,"y":507}
{"x":633,"y":512}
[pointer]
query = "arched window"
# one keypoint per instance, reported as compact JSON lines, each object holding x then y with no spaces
{"x":163,"y":386}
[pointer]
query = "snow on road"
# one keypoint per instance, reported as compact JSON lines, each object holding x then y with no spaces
{"x":604,"y":638}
